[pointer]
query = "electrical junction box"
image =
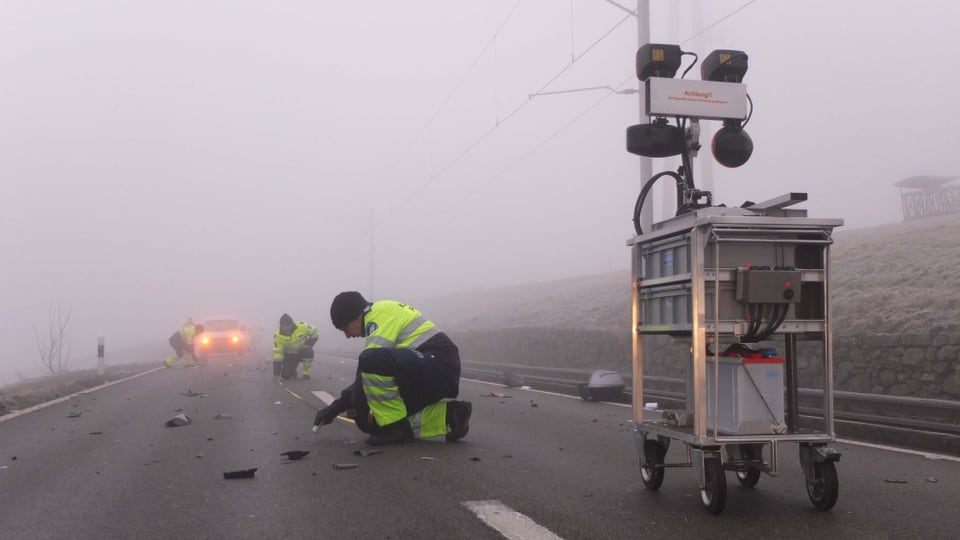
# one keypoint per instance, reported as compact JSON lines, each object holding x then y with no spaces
{"x":765,"y":286}
{"x":749,"y":394}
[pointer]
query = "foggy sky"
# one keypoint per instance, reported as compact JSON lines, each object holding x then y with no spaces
{"x":168,"y":159}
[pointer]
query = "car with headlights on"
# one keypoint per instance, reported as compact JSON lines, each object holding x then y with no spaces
{"x":222,"y":336}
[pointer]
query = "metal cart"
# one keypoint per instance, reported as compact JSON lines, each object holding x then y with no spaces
{"x":723,"y":291}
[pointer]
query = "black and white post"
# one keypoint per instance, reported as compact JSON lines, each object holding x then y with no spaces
{"x":100,"y":355}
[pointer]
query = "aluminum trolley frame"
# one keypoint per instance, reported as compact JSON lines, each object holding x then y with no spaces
{"x":687,"y":284}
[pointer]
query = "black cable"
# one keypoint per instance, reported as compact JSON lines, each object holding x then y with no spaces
{"x":776,"y":324}
{"x":769,"y":327}
{"x":749,"y":114}
{"x":695,"y":58}
{"x":643,"y":195}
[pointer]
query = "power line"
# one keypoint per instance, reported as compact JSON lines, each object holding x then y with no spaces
{"x":718,"y":21}
{"x":490,"y":131}
{"x":513,"y":112}
{"x":483,"y":51}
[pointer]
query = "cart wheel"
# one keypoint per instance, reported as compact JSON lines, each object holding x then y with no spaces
{"x":749,"y":477}
{"x":823,"y":488}
{"x":651,"y":475}
{"x":714,"y":492}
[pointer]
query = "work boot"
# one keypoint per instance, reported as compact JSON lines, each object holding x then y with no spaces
{"x":458,"y":419}
{"x":395,"y":433}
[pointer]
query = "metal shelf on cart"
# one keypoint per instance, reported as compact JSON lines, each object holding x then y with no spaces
{"x":686,"y":434}
{"x":808,"y":328}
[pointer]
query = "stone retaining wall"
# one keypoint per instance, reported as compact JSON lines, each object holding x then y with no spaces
{"x":925,"y":366}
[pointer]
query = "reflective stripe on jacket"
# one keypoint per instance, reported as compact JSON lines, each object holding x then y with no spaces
{"x":188,"y":332}
{"x":392,"y":325}
{"x":305,"y":335}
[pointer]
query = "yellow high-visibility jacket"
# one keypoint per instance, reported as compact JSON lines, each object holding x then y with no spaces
{"x":305,"y":335}
{"x":392,"y":325}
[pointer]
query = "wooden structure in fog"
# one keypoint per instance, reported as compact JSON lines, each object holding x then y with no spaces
{"x":927,"y":196}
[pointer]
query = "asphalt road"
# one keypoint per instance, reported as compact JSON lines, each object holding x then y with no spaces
{"x":567,"y":466}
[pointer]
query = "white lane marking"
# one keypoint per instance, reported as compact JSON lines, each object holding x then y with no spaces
{"x":567,"y":396}
{"x":508,"y":522}
{"x":15,"y":414}
{"x":927,"y":455}
{"x":324,"y":397}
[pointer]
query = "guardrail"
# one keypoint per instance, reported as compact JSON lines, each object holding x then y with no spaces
{"x":917,"y":423}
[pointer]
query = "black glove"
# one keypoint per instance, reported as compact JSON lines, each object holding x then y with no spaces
{"x":325,"y":416}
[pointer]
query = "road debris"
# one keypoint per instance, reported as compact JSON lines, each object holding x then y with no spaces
{"x":366,"y":453}
{"x":222,"y":416}
{"x":191,"y":393}
{"x":96,"y":433}
{"x":931,"y":479}
{"x":294,"y":455}
{"x":893,"y":481}
{"x":496,"y":395}
{"x":475,"y":458}
{"x":345,"y":466}
{"x":178,"y":420}
{"x":427,"y":458}
{"x":74,"y":414}
{"x":234,"y":475}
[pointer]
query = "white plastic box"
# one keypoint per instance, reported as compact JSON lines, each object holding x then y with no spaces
{"x":750,"y":395}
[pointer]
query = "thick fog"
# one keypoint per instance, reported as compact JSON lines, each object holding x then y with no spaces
{"x":161,"y":160}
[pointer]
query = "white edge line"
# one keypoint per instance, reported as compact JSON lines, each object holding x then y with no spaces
{"x":508,"y":522}
{"x":927,"y":455}
{"x":20,"y":412}
{"x":568,"y":396}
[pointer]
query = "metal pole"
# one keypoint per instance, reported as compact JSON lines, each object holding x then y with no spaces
{"x":100,"y":348}
{"x":793,"y":396}
{"x":646,"y":166}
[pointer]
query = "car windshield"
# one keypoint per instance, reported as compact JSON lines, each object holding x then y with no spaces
{"x":221,"y":325}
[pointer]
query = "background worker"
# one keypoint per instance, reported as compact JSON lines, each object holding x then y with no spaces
{"x":182,"y":343}
{"x":406,"y":368}
{"x":293,"y":343}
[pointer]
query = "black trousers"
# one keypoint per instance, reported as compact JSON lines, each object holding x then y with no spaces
{"x":420,"y":377}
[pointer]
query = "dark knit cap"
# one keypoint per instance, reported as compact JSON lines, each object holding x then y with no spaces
{"x":346,"y":307}
{"x":285,"y":319}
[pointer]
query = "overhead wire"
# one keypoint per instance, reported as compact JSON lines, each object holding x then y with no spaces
{"x":510,"y":115}
{"x":521,"y":106}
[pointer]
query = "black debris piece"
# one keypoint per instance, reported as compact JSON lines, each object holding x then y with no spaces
{"x":190,"y":393}
{"x":234,"y":475}
{"x":475,"y":458}
{"x":74,"y":414}
{"x":178,"y":420}
{"x":890,"y":481}
{"x":365,"y":452}
{"x":294,"y":455}
{"x":345,"y":466}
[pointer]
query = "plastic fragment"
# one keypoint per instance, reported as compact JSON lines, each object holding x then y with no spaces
{"x":178,"y":420}
{"x":233,"y":475}
{"x":294,"y":455}
{"x":345,"y":466}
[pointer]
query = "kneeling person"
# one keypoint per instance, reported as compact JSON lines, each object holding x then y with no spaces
{"x":406,"y":368}
{"x":293,"y":343}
